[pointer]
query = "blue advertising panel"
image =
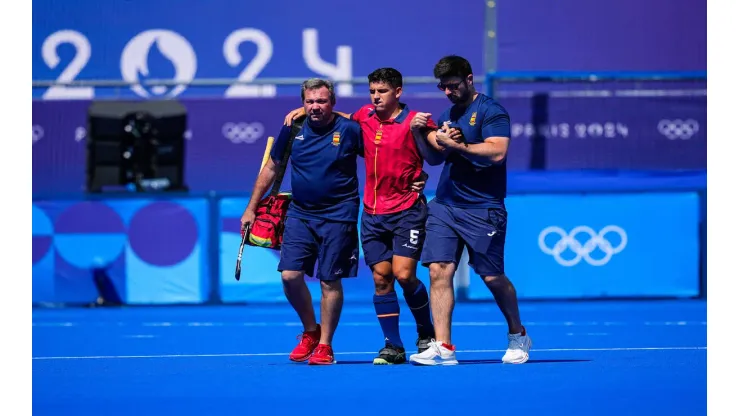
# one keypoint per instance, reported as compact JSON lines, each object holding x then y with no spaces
{"x":154,"y":251}
{"x":558,"y":246}
{"x":574,"y":246}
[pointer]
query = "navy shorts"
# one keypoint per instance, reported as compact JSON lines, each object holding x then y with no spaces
{"x":332,"y":243}
{"x":481,"y":230}
{"x":401,"y":234}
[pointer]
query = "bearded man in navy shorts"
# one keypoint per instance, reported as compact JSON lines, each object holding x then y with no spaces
{"x":468,"y":210}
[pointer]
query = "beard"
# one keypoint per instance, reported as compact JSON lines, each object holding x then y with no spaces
{"x":459,"y":96}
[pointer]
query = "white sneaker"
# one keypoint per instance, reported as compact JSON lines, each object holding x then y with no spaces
{"x":436,"y":354}
{"x":518,"y":351}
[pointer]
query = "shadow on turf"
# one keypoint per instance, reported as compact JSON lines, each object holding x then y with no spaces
{"x":465,"y":362}
{"x":468,"y":362}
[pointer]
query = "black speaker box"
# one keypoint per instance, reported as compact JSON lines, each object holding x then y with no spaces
{"x":136,"y":145}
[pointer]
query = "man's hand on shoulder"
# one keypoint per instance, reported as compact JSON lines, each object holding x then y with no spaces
{"x":298,"y":112}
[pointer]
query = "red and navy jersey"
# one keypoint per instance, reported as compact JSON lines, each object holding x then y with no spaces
{"x":392,"y":160}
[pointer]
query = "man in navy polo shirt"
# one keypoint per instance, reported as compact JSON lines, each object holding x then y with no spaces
{"x":468,"y":210}
{"x":394,"y":212}
{"x":321,"y":223}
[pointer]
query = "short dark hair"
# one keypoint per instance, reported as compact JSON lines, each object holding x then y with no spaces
{"x":452,"y":66}
{"x":390,"y":76}
{"x":315,"y":84}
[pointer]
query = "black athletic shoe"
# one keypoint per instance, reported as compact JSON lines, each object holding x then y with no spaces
{"x":423,"y":343}
{"x":390,"y":354}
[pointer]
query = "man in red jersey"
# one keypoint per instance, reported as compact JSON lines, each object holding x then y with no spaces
{"x":394,"y":215}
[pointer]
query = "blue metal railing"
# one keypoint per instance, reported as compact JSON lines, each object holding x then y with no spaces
{"x":585,"y":76}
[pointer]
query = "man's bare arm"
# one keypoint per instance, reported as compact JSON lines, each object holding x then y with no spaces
{"x":430,"y":151}
{"x":492,"y":151}
{"x":264,"y":181}
{"x":425,"y":137}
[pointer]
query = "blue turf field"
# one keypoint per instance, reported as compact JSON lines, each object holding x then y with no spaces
{"x":588,"y":358}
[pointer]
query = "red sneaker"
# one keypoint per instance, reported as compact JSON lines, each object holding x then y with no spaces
{"x":323,"y":355}
{"x":308,"y":343}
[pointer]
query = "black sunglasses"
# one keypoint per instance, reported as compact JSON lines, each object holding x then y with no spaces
{"x":452,"y":85}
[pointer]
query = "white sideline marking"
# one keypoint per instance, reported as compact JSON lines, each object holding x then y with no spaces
{"x":270,"y":354}
{"x":369,"y":323}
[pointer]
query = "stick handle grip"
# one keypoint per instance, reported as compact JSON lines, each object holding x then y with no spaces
{"x":268,"y":147}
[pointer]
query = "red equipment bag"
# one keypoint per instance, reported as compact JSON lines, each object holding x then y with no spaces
{"x":269,"y":222}
{"x":267,"y":230}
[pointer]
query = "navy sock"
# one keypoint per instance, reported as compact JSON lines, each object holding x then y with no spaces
{"x":387,"y":308}
{"x":418,"y":302}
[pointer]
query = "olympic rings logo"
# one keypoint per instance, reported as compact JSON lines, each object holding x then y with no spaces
{"x":243,"y":132}
{"x":37,"y":132}
{"x":678,"y":129}
{"x":583,"y":251}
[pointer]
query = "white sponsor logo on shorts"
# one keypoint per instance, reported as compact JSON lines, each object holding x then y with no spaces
{"x":414,"y":237}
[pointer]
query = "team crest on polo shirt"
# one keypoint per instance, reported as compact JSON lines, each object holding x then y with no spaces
{"x":378,"y":136}
{"x":472,"y":119}
{"x":335,"y":138}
